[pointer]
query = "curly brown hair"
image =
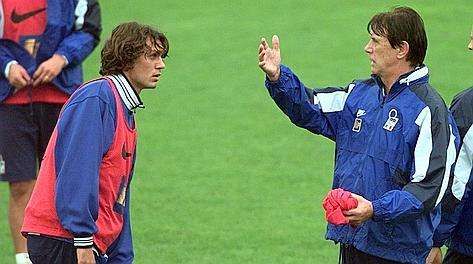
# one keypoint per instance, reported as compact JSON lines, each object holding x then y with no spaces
{"x":127,"y":43}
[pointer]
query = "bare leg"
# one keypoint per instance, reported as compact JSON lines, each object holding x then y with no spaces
{"x":20,"y":193}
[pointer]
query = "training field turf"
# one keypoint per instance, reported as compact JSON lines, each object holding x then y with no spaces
{"x":222,"y":176}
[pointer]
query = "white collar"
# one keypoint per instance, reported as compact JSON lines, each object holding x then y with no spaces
{"x":417,"y":74}
{"x":128,"y":95}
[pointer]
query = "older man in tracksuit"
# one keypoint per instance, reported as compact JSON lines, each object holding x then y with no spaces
{"x":395,"y":140}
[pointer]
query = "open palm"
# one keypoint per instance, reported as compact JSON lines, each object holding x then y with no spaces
{"x":270,"y":58}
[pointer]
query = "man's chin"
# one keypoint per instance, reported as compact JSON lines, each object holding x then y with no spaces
{"x":151,"y":86}
{"x":374,"y":71}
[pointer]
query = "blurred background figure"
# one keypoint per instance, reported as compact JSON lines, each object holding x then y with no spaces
{"x":457,"y":209}
{"x":42,"y":46}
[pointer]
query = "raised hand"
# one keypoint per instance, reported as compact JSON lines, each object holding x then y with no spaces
{"x":270,"y":58}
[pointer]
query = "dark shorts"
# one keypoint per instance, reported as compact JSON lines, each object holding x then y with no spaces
{"x":351,"y":255}
{"x":43,"y":250}
{"x":453,"y":257}
{"x":24,"y":134}
{"x":46,"y":250}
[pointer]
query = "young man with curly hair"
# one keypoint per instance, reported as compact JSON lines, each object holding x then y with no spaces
{"x":79,"y":209}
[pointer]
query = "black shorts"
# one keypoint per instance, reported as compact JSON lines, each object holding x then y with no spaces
{"x":24,"y":134}
{"x":350,"y":255}
{"x":47,"y":250}
{"x":453,"y":257}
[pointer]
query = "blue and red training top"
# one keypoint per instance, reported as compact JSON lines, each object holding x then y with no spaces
{"x":82,"y":192}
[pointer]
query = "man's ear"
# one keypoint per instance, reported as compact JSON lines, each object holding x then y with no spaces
{"x":402,"y":50}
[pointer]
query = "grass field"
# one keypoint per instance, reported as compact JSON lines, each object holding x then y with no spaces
{"x":222,"y":176}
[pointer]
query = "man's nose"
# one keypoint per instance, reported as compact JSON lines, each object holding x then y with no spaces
{"x":368,"y":48}
{"x":160,"y":64}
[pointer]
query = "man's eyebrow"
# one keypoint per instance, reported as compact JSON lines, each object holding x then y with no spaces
{"x":152,"y":50}
{"x":375,"y":37}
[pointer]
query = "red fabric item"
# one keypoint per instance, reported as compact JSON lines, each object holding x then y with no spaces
{"x":335,"y":203}
{"x":46,"y":93}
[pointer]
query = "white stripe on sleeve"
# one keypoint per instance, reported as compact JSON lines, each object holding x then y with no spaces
{"x":81,"y":10}
{"x":423,"y":147}
{"x":332,"y":102}
{"x":451,"y":154}
{"x":464,"y":165}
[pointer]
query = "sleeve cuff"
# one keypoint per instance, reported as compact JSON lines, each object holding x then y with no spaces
{"x":64,"y":56}
{"x":7,"y":67}
{"x":65,"y":59}
{"x":377,"y":210}
{"x":283,"y":77}
{"x":83,"y":242}
{"x":440,"y":237}
{"x":438,"y":244}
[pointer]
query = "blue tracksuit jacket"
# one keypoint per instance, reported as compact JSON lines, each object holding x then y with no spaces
{"x":68,"y":32}
{"x":394,"y":150}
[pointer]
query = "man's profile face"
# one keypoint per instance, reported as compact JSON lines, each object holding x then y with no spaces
{"x":382,"y":55}
{"x":147,"y":69}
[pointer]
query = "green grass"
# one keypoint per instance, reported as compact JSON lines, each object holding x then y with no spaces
{"x":222,"y":176}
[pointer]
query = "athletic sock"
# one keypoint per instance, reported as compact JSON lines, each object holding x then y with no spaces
{"x":22,"y":258}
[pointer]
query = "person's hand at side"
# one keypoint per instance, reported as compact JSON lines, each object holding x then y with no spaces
{"x":85,"y":256}
{"x":270,"y":58}
{"x":361,"y":213}
{"x":49,"y":69}
{"x":18,"y":77}
{"x":435,"y":256}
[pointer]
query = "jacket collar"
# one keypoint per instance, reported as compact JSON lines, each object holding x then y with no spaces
{"x":416,"y":76}
{"x":419,"y":74}
{"x":127,"y":93}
